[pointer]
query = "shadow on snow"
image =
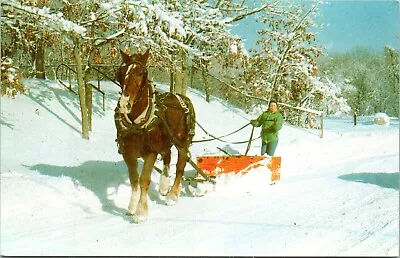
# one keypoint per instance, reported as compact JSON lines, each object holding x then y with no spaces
{"x":69,"y":102}
{"x":98,"y":176}
{"x":385,"y":180}
{"x":5,"y":123}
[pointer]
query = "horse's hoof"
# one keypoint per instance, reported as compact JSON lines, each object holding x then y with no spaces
{"x":170,"y":202}
{"x":137,"y":219}
{"x":164,"y":185}
{"x":198,"y":191}
{"x":171,"y":199}
{"x":163,"y":193}
{"x":130,"y":213}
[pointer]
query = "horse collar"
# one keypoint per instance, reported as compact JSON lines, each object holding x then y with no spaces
{"x":146,"y":117}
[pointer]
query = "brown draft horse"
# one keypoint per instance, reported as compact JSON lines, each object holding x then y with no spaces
{"x":149,"y":123}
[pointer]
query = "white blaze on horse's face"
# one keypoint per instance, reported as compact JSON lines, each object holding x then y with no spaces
{"x":124,"y":101}
{"x":128,"y":71}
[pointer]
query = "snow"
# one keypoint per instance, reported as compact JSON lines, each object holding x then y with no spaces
{"x":381,"y":119}
{"x":55,"y":21}
{"x":63,"y":195}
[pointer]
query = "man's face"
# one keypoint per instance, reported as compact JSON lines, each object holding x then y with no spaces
{"x":273,"y":107}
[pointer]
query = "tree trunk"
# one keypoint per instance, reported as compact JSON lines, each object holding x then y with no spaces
{"x":392,"y":70}
{"x":181,"y":84}
{"x":81,"y":91}
{"x":206,"y":86}
{"x":191,"y":74}
{"x":40,"y":62}
{"x":172,"y":81}
{"x":89,"y":99}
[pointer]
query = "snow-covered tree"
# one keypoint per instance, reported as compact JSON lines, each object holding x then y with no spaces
{"x":177,"y":32}
{"x":283,"y":65}
{"x":53,"y":23}
{"x":180,"y":34}
{"x":11,"y":83}
{"x":391,"y":76}
{"x":369,"y":80}
{"x":327,"y":97}
{"x":22,"y":32}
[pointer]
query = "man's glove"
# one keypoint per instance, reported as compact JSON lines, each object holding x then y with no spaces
{"x":253,"y":122}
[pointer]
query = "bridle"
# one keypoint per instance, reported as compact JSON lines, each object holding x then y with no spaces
{"x":132,"y":66}
{"x":147,"y":116}
{"x":153,"y":110}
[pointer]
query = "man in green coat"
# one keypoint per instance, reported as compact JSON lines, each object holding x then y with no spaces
{"x":271,"y":122}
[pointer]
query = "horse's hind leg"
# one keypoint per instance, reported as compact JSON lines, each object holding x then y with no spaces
{"x":144,"y":181}
{"x":131,"y":163}
{"x":164,"y":178}
{"x":173,"y":195}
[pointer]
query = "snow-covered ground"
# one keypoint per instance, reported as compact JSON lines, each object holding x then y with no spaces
{"x":62,"y":195}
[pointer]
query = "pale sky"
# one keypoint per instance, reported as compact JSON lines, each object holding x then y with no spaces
{"x":372,"y":24}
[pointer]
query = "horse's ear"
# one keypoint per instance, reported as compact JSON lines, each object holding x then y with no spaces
{"x":145,"y":56}
{"x":125,"y":56}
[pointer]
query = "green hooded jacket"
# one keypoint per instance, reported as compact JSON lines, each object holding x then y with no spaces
{"x":271,"y":123}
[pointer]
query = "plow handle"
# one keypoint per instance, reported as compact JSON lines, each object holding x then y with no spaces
{"x":201,"y":172}
{"x":190,"y":161}
{"x":250,"y":140}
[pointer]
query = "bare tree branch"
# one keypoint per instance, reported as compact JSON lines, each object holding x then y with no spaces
{"x":251,"y":12}
{"x":308,"y":110}
{"x":289,"y":46}
{"x":236,"y":89}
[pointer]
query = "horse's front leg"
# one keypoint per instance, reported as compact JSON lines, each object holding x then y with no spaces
{"x":173,"y":195}
{"x":131,"y":163}
{"x":144,"y":181}
{"x":164,"y":178}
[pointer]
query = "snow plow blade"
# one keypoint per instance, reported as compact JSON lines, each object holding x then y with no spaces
{"x":216,"y":165}
{"x":275,"y":166}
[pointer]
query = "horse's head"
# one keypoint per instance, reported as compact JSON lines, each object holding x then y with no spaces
{"x":132,"y":77}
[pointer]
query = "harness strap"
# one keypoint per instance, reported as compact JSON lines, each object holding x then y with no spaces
{"x":147,"y":116}
{"x":182,"y":103}
{"x":160,"y":114}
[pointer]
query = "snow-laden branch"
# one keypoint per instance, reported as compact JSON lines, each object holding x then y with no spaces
{"x":49,"y":20}
{"x":251,"y":12}
{"x":308,"y":110}
{"x":100,"y":41}
{"x":292,"y":37}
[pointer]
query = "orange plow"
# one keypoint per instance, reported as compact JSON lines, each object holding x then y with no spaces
{"x":215,"y":165}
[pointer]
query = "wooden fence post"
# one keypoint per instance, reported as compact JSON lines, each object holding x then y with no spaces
{"x":322,"y":125}
{"x":307,"y":110}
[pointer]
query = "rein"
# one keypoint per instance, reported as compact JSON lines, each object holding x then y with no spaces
{"x":226,"y":135}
